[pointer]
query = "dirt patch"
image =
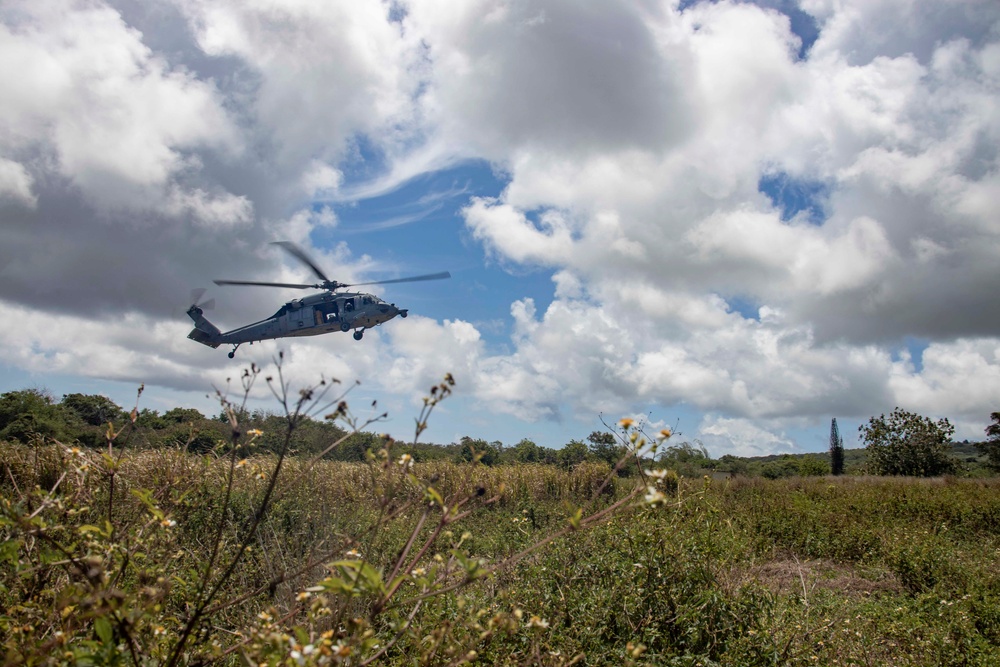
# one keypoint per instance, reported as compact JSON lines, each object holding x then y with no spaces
{"x":789,"y":576}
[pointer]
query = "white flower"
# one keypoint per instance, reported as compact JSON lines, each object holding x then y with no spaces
{"x":654,"y":496}
{"x":537,"y":622}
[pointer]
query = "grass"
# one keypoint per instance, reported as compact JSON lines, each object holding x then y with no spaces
{"x":799,"y":571}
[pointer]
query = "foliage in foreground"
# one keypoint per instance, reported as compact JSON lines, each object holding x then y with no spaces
{"x":243,"y":554}
{"x":164,"y":557}
{"x":832,"y":571}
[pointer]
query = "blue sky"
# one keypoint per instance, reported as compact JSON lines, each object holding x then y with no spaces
{"x":740,"y":219}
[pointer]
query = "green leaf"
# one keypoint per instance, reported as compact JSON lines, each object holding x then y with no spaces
{"x":9,"y":551}
{"x":574,"y":519}
{"x":103,"y":628}
{"x":434,"y":497}
{"x":356,"y":578}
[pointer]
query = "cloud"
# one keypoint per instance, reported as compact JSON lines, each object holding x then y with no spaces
{"x":741,"y":437}
{"x":16,"y":183}
{"x":84,"y":91}
{"x":145,"y":150}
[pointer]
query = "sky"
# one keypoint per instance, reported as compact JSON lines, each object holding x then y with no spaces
{"x":737,"y":219}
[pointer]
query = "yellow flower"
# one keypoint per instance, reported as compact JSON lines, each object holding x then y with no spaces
{"x":255,"y":432}
{"x":665,"y":433}
{"x":626,"y":423}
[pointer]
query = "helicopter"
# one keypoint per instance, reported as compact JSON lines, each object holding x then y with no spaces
{"x":330,"y":310}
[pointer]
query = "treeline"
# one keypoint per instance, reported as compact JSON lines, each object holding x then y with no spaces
{"x":84,"y":419}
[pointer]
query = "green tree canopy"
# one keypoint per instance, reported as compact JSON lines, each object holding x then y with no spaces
{"x":572,"y":453}
{"x":605,"y":447}
{"x":93,"y":409}
{"x":991,"y":446}
{"x":183,"y":416}
{"x":526,"y":451}
{"x":908,"y":444}
{"x":27,"y":413}
{"x":474,"y":447}
{"x":14,"y":404}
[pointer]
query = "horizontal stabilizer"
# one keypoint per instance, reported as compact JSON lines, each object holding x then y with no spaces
{"x":201,"y":337}
{"x":204,"y":331}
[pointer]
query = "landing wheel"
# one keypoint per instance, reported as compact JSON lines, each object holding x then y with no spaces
{"x":402,"y":313}
{"x":232,"y":354}
{"x":345,"y":327}
{"x":358,"y":334}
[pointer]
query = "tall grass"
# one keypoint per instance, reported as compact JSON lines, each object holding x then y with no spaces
{"x":746,"y":572}
{"x":165,"y":557}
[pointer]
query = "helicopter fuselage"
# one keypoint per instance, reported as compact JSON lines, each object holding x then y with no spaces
{"x":310,"y":316}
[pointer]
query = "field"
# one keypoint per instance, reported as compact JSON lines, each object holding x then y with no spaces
{"x":167,"y":557}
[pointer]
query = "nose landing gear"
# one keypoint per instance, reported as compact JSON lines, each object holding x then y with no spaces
{"x":233,"y":352}
{"x":359,"y":334}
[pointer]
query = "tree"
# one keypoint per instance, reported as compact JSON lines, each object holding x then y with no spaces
{"x":836,"y":449}
{"x":526,"y":451}
{"x":183,"y":416}
{"x":908,"y":444}
{"x":605,"y":447}
{"x":477,"y":449}
{"x":15,"y":404}
{"x":991,"y":447}
{"x":28,"y":413}
{"x":813,"y":466}
{"x":93,"y":409}
{"x":572,"y":453}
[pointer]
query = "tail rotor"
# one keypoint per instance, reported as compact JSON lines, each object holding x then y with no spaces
{"x":196,"y":295}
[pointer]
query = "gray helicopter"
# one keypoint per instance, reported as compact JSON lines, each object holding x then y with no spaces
{"x":313,"y":315}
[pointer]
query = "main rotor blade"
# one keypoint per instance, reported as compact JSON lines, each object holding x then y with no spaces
{"x":412,"y":279}
{"x":300,"y":255}
{"x":254,"y":282}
